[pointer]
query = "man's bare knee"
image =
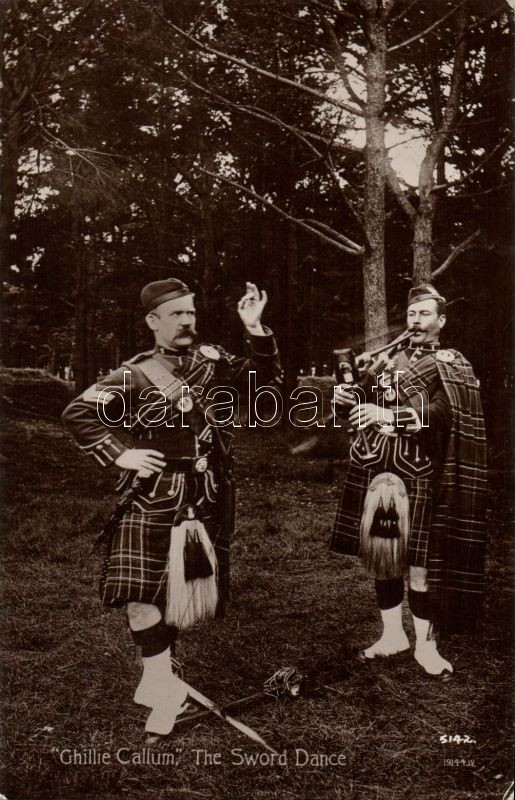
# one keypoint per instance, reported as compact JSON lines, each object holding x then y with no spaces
{"x":418,"y":579}
{"x":142,"y":615}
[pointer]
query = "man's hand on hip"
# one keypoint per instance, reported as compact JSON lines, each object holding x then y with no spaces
{"x":144,"y":462}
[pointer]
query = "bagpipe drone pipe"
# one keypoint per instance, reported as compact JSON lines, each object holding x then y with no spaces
{"x":349,"y":371}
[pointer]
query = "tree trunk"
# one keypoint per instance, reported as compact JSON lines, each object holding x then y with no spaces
{"x":211,"y":305}
{"x":81,"y":371}
{"x":9,"y":184}
{"x":130,"y":327}
{"x":373,"y":260}
{"x":163,"y":218}
{"x":91,"y":349}
{"x":211,"y":291}
{"x":288,"y":354}
{"x":423,"y":239}
{"x":424,"y":219}
{"x":52,"y":359}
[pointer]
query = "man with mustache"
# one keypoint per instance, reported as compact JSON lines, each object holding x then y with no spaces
{"x":413,"y":498}
{"x":168,"y":557}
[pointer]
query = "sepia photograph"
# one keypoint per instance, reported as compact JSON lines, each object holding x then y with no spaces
{"x":255,"y":394}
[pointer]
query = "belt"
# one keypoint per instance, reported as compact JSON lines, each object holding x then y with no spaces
{"x":195,"y":464}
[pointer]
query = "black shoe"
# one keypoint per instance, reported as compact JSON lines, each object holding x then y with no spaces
{"x":445,"y":676}
{"x":364,"y":659}
{"x":152,"y":739}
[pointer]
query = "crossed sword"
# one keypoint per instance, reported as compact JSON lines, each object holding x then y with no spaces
{"x":200,"y":698}
{"x":285,"y":681}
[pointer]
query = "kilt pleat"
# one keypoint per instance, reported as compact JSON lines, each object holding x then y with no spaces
{"x":136,"y":561}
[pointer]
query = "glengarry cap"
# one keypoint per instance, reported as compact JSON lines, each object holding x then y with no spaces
{"x":153,"y":294}
{"x":424,"y":292}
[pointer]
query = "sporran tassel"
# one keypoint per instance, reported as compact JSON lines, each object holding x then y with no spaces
{"x":384,"y":528}
{"x":192,"y":594}
{"x":378,"y":523}
{"x":196,"y":560}
{"x":392,"y":521}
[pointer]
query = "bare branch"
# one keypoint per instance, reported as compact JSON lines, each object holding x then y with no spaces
{"x":427,"y":30}
{"x":356,"y":251}
{"x":479,"y":194}
{"x":460,"y":126}
{"x":393,"y":182}
{"x":303,"y":136}
{"x":52,"y":47}
{"x":267,"y":116}
{"x":266,"y":73}
{"x":79,"y":152}
{"x":454,"y":300}
{"x":404,"y":12}
{"x":450,"y":112}
{"x":331,"y":9}
{"x":503,"y":142}
{"x":332,"y":232}
{"x":465,"y":244}
{"x":323,"y":157}
{"x":337,"y":56}
{"x":183,"y":204}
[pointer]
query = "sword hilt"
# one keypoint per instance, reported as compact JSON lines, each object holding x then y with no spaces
{"x":286,"y":681}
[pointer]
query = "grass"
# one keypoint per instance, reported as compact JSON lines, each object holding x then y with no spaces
{"x":69,"y":671}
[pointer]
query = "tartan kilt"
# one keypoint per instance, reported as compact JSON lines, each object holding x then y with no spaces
{"x":136,"y":559}
{"x":345,"y":538}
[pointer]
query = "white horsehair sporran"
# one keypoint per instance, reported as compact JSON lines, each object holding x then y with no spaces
{"x":384,"y":530}
{"x":192,"y":595}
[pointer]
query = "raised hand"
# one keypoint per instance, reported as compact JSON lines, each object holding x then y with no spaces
{"x":251,"y":307}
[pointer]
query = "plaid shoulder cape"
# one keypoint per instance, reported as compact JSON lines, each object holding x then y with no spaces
{"x":458,"y":524}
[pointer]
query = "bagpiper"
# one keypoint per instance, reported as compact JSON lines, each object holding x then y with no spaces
{"x":413,"y":500}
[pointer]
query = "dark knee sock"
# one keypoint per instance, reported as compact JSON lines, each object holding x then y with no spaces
{"x":153,"y":640}
{"x":389,"y":592}
{"x":173,"y":632}
{"x":419,"y":603}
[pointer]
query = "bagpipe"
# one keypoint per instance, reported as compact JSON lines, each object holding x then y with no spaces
{"x":385,"y":517}
{"x":385,"y":514}
{"x":350,"y":371}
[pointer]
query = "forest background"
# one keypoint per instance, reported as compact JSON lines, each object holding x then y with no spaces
{"x":332,"y":152}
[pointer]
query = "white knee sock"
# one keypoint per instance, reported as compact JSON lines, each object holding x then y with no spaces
{"x":162,"y":691}
{"x":426,"y":653}
{"x":393,"y":639}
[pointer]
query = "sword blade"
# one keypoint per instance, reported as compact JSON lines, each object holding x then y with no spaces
{"x":241,"y":726}
{"x":204,"y":712}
